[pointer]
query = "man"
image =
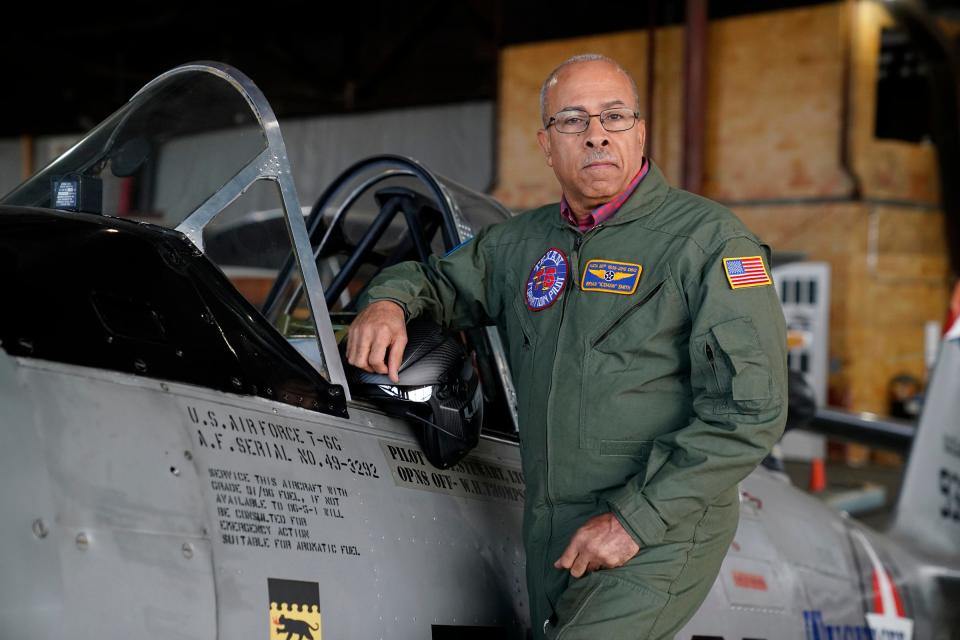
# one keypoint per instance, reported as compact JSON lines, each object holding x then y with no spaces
{"x":648,"y":350}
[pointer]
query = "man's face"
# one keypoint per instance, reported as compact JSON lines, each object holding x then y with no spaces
{"x":596,"y":165}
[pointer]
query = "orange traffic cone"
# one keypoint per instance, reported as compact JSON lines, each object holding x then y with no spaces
{"x":818,"y":476}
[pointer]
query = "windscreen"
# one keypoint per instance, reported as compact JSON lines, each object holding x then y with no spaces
{"x":158,"y":158}
{"x":198,"y":150}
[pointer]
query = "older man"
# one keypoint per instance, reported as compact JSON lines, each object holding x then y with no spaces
{"x":648,"y":350}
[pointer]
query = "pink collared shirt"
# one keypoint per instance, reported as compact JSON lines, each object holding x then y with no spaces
{"x":605,"y":211}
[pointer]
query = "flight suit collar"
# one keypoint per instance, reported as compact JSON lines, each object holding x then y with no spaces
{"x":649,"y":195}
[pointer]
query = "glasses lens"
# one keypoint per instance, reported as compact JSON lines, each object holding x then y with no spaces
{"x":618,"y":119}
{"x":571,"y":121}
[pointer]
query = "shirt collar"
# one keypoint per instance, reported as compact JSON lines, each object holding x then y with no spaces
{"x":605,"y":211}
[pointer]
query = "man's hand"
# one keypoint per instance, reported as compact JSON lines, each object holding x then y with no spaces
{"x":601,"y":543}
{"x":376,"y":329}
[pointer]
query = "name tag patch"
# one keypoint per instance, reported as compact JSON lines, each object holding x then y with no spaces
{"x":746,"y":272}
{"x":546,"y":280}
{"x":610,"y":276}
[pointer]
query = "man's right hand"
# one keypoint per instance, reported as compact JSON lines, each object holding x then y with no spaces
{"x":377,"y":329}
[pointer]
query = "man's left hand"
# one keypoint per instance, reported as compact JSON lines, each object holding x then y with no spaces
{"x":601,"y":543}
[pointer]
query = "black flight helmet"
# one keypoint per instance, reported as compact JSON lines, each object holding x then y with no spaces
{"x":438,"y":392}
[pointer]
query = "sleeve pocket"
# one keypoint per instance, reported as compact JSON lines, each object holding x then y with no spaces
{"x":741,"y":367}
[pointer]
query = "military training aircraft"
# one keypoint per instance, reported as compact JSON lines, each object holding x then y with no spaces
{"x":185,"y":454}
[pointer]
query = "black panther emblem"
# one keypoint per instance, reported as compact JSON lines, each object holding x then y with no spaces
{"x":293,"y":626}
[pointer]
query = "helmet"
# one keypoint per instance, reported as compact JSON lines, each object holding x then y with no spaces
{"x":438,"y":393}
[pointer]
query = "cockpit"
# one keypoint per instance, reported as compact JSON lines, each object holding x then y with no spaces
{"x":199,"y":151}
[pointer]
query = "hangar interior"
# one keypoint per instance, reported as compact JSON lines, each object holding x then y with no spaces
{"x":814,"y":121}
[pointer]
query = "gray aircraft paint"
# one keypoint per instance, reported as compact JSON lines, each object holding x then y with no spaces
{"x":182,"y":529}
{"x":929,"y":508}
{"x":152,"y":531}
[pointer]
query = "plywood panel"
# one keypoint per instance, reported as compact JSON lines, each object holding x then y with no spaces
{"x":889,"y":276}
{"x":774,"y":106}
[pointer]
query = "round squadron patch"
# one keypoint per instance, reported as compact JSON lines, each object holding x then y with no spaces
{"x":547,"y":279}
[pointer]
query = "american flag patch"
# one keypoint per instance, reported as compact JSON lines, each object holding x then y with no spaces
{"x":746,"y":272}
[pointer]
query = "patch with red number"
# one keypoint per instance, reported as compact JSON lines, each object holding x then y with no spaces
{"x":547,"y":279}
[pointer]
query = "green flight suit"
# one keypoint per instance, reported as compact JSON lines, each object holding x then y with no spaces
{"x":651,"y":404}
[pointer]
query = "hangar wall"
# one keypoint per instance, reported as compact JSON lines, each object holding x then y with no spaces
{"x":774,"y":134}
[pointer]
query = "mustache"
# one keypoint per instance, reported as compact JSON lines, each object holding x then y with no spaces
{"x":598,"y":155}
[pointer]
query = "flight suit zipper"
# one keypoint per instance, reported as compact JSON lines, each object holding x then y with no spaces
{"x":713,"y":365}
{"x":572,"y":271}
{"x":722,"y":404}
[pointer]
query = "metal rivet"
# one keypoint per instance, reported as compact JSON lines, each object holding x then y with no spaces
{"x":187,"y":549}
{"x":82,"y":541}
{"x":175,"y":471}
{"x":109,"y":339}
{"x":40,"y":529}
{"x":178,"y":353}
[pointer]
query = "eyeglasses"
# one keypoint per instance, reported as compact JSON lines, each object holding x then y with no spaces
{"x":577,"y":121}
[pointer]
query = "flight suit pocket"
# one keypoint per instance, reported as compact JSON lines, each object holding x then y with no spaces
{"x":621,"y":460}
{"x":613,"y":336}
{"x":635,"y":383}
{"x":528,"y":333}
{"x":604,"y":604}
{"x":626,"y":448}
{"x":739,"y":367}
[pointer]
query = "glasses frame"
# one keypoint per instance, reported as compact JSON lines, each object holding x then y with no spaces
{"x":553,"y":120}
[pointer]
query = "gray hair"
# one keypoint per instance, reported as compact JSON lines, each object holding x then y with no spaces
{"x":554,"y":77}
